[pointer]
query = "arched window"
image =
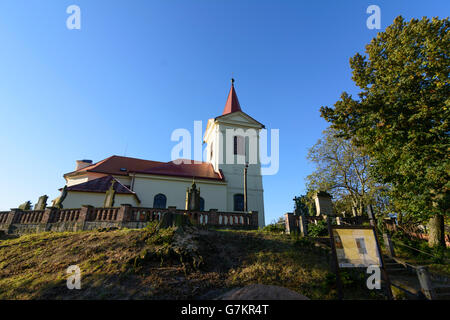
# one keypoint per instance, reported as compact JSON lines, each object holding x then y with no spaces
{"x":202,"y":204}
{"x":238,"y":202}
{"x":159,"y":201}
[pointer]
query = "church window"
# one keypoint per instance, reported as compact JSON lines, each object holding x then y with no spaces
{"x":238,"y":202}
{"x":160,"y":201}
{"x":202,"y":204}
{"x":239,"y":145}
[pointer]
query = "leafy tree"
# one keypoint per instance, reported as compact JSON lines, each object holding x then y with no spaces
{"x":344,"y":205}
{"x":401,"y":118}
{"x":343,"y":170}
{"x":301,"y":205}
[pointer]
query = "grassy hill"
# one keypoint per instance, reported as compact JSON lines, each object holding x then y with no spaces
{"x":165,"y":264}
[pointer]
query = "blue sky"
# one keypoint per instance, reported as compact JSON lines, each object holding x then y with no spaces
{"x":137,"y":70}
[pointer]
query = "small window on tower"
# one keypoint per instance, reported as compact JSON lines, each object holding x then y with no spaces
{"x":211,"y":151}
{"x":239,"y":145}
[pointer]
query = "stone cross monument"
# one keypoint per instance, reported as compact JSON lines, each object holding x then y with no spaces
{"x":42,"y":203}
{"x":193,"y":198}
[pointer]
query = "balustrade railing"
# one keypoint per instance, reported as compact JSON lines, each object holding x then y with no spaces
{"x":125,"y":214}
{"x":3,"y":216}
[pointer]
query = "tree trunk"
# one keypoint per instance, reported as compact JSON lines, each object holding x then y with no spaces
{"x":436,"y":231}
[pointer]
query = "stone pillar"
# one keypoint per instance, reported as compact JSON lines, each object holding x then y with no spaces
{"x":213,"y":218}
{"x":84,"y":213}
{"x":48,"y":214}
{"x":388,"y":244}
{"x":425,"y":283}
{"x":12,"y":218}
{"x":124,"y":213}
{"x":289,"y":222}
{"x":83,"y":217}
{"x":254,"y":219}
{"x":371,"y":214}
{"x":303,"y":225}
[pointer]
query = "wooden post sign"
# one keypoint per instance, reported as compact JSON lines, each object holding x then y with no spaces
{"x":356,"y":247}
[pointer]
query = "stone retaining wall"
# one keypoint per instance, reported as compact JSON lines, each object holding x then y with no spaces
{"x":19,"y":221}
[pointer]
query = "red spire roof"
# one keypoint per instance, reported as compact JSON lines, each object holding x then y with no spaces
{"x":232,"y":104}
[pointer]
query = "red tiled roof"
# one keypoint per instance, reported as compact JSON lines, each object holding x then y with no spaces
{"x":203,"y":170}
{"x":232,"y":104}
{"x":101,"y":185}
{"x":117,"y":165}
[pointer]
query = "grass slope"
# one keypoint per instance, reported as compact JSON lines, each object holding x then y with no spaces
{"x":165,"y":264}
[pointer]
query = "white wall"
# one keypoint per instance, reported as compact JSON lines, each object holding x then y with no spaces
{"x":234,"y":173}
{"x":146,"y":187}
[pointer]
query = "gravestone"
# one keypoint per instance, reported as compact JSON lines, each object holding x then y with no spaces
{"x":324,"y":206}
{"x":42,"y":203}
{"x":25,"y":206}
{"x":57,"y":203}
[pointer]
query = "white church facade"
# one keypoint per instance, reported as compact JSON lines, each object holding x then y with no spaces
{"x":232,"y":145}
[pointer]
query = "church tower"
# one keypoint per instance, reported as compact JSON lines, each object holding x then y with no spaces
{"x":232,"y":146}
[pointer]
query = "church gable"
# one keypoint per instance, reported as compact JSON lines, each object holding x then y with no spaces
{"x":239,"y":118}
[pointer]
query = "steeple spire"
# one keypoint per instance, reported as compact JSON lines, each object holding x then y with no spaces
{"x":232,"y":104}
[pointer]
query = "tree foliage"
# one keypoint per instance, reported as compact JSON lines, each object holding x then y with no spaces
{"x":276,"y":226}
{"x":342,"y":169}
{"x":401,"y":118}
{"x":302,"y":206}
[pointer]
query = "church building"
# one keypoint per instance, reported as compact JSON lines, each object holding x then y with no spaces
{"x":232,"y":156}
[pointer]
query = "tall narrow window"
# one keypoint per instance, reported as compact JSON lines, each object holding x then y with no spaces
{"x":239,"y":145}
{"x":159,"y":201}
{"x":238,"y":202}
{"x":202,"y":204}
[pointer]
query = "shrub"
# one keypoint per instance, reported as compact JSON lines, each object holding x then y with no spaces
{"x":275,"y":227}
{"x":318,"y":230}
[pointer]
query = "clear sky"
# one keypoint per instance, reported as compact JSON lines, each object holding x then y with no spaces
{"x":137,"y":70}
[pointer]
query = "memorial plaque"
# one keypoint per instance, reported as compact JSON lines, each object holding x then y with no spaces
{"x":356,"y":247}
